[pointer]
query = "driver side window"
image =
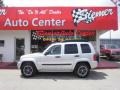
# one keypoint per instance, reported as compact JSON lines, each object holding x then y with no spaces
{"x":54,"y":50}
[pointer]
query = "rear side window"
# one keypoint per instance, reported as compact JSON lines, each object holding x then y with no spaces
{"x":85,"y":48}
{"x":71,"y":49}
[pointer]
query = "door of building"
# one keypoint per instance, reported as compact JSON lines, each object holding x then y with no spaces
{"x":20,"y":47}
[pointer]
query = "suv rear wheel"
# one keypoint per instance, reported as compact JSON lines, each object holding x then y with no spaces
{"x":82,"y":70}
{"x":28,"y":69}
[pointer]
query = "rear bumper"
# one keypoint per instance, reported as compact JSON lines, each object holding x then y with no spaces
{"x":93,"y":64}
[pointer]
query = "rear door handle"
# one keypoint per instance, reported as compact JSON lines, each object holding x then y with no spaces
{"x":57,"y":56}
{"x":76,"y":56}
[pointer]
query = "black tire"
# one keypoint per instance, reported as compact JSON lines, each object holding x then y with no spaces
{"x":82,"y":70}
{"x":108,"y":57}
{"x":28,"y":69}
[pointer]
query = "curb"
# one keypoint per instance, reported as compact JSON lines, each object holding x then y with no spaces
{"x":107,"y":67}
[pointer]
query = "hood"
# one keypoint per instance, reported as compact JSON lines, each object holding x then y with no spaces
{"x":32,"y":55}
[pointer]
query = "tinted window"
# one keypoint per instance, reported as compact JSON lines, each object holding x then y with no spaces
{"x":102,"y":47}
{"x":85,"y":48}
{"x":54,"y":50}
{"x":71,"y":49}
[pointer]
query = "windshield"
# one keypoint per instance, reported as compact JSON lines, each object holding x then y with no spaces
{"x":43,"y":48}
{"x":112,"y":46}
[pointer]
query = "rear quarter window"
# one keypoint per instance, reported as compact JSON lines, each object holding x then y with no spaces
{"x":85,"y":48}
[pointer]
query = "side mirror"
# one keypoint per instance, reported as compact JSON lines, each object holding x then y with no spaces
{"x":46,"y":53}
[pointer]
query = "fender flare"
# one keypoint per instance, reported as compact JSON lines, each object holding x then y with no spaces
{"x":32,"y":60}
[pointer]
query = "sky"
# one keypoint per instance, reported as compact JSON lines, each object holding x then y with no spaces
{"x":38,"y":3}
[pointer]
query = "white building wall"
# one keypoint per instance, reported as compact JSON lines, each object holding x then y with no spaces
{"x":8,"y":50}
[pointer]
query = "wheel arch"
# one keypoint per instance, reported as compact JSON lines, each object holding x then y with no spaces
{"x":33,"y":62}
{"x":80,"y":62}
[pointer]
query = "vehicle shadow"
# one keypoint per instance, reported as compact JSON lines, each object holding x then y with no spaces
{"x":115,"y":60}
{"x":94,"y":75}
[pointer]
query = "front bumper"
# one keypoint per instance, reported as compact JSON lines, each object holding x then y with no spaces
{"x":115,"y":56}
{"x":19,"y":64}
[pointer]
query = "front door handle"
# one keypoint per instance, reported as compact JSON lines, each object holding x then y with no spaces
{"x":76,"y":56}
{"x":57,"y":56}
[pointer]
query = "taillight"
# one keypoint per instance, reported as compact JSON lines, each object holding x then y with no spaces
{"x":94,"y":57}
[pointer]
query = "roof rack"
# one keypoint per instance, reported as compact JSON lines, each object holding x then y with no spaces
{"x":82,"y":40}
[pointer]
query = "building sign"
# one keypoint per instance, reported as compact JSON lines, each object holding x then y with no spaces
{"x":55,"y":33}
{"x":56,"y":18}
{"x":60,"y":34}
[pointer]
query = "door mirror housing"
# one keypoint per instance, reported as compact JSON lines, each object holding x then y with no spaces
{"x":46,"y":53}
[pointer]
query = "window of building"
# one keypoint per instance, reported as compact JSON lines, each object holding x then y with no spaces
{"x":85,"y":48}
{"x":2,"y":43}
{"x":71,"y":49}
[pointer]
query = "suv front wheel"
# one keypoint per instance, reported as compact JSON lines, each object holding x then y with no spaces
{"x":28,"y":69}
{"x":82,"y":70}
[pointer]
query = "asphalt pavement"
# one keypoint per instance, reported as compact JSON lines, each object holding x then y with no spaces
{"x":100,"y":79}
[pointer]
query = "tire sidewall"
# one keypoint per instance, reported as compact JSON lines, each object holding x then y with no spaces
{"x":108,"y":56}
{"x":32,"y":67}
{"x":82,"y":65}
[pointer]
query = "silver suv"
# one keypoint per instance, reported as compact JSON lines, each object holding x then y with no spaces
{"x":77,"y":57}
